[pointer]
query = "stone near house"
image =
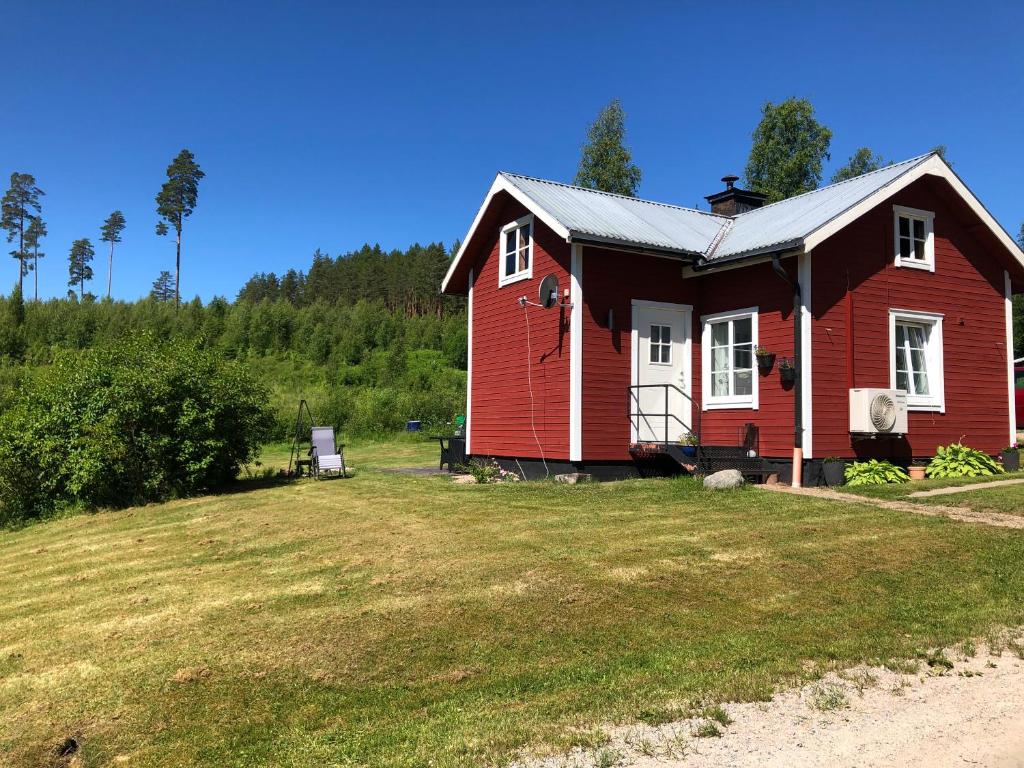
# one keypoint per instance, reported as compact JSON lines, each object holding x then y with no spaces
{"x":573,"y":478}
{"x":727,"y":478}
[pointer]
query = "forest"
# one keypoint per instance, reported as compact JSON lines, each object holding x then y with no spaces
{"x":365,"y":337}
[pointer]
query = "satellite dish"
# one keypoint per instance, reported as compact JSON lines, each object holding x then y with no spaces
{"x":548,"y":294}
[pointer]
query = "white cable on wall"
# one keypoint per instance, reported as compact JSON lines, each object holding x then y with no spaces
{"x":529,"y":382}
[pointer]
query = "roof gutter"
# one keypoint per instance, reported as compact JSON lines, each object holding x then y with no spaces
{"x":617,"y":245}
{"x":773,"y":251}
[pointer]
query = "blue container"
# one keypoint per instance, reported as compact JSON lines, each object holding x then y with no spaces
{"x":412,"y":426}
{"x":689,"y":450}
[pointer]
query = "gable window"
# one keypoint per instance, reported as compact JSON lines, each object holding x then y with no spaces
{"x":727,"y":354}
{"x":661,"y":344}
{"x":915,"y":363}
{"x":914,"y":238}
{"x":516,"y":251}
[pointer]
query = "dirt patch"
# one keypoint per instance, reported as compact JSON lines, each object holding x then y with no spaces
{"x":961,"y":706}
{"x":963,"y":488}
{"x":191,"y":674}
{"x":962,"y":514}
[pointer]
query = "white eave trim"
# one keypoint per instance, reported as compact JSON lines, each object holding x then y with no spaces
{"x":934,"y":166}
{"x":502,"y":184}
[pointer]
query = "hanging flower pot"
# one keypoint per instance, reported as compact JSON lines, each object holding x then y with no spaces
{"x":765,"y":360}
{"x":787,"y":370}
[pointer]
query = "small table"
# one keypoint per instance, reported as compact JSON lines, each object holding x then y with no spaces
{"x":453,"y":450}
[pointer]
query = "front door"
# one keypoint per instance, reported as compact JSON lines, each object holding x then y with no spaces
{"x":661,"y":372}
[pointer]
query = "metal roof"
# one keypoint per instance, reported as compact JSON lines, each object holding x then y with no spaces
{"x":789,"y":221}
{"x":800,"y":222}
{"x":617,"y":218}
{"x":644,"y":223}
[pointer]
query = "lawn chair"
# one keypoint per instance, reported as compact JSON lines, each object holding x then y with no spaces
{"x":326,"y":458}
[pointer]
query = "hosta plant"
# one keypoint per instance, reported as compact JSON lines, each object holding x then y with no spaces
{"x":874,"y":472}
{"x":959,"y":460}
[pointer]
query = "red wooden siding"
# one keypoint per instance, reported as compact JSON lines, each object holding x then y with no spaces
{"x":966,"y":287}
{"x":500,"y":421}
{"x":611,"y":280}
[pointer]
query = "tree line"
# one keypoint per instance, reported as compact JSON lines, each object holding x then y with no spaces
{"x":21,"y":216}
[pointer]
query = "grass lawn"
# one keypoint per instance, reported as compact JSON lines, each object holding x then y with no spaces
{"x":1008,"y":500}
{"x":391,"y":620}
{"x":900,"y":491}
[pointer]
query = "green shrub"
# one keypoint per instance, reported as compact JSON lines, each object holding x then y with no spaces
{"x":874,"y":472}
{"x":959,"y":460}
{"x":129,"y":423}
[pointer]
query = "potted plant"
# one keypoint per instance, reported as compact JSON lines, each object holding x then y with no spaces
{"x":833,"y":470}
{"x":689,"y":443}
{"x":1011,"y":458}
{"x":917,"y":469}
{"x":787,"y":370}
{"x":765,"y":359}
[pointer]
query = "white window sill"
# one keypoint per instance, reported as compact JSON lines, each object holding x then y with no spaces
{"x":925,"y":266}
{"x":926,"y":407}
{"x":721,"y":405}
{"x":516,"y":278}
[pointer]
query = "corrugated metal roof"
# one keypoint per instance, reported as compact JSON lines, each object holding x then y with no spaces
{"x":622,"y":219}
{"x":791,"y":220}
{"x":644,"y":223}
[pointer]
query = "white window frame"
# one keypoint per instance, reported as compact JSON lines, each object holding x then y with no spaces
{"x":928,"y":218}
{"x":936,"y":401}
{"x":525,"y":274}
{"x":708,"y":402}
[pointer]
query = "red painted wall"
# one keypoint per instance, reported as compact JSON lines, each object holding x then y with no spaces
{"x":611,"y":280}
{"x":966,"y":287}
{"x":500,"y":417}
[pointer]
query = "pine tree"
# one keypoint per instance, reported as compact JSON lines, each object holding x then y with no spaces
{"x":605,"y":163}
{"x":110,"y":232}
{"x":79,"y":269}
{"x":789,"y":145}
{"x":175,"y":203}
{"x":862,"y":161}
{"x":15,"y":215}
{"x":163,"y":287}
{"x":35,"y":232}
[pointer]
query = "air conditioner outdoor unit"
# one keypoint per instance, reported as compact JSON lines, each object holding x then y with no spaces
{"x":878,"y":411}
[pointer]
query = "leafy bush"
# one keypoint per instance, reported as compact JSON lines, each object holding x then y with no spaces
{"x":874,"y":472}
{"x":487,"y":471}
{"x":129,"y":423}
{"x":959,"y":460}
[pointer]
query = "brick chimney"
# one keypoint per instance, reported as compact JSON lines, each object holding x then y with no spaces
{"x":733,"y":200}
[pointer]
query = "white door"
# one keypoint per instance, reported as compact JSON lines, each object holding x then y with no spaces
{"x":661,"y":356}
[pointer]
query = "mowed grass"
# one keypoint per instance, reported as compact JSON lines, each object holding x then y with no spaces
{"x":390,"y":620}
{"x":1008,"y":498}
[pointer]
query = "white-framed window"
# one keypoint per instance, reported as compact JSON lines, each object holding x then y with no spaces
{"x":516,"y":251}
{"x":728,"y":373}
{"x":661,"y":345}
{"x":915,"y":358}
{"x":914,"y":238}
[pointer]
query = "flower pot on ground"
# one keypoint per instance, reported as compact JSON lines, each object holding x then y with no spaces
{"x":833,"y":471}
{"x":916,"y":471}
{"x":1011,"y":459}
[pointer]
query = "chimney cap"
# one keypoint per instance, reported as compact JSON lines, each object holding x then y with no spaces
{"x":729,"y":180}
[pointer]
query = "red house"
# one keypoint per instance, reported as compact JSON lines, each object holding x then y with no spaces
{"x":881,"y":307}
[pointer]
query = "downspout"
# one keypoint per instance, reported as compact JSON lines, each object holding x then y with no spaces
{"x":798,"y":414}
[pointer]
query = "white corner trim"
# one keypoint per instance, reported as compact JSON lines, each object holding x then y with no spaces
{"x":469,"y":364}
{"x":928,"y":218}
{"x":1010,"y":376}
{"x":806,"y":356}
{"x":934,"y":166}
{"x":935,"y":402}
{"x":502,"y":184}
{"x":576,"y":355}
{"x":751,"y":402}
{"x":525,"y":274}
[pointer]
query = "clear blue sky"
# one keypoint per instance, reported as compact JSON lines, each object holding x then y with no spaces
{"x":330,"y":125}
